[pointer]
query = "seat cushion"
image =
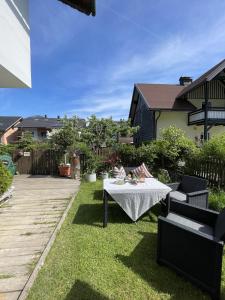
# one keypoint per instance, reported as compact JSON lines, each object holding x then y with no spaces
{"x":142,"y":171}
{"x":219,"y":231}
{"x":191,"y":224}
{"x":176,"y":195}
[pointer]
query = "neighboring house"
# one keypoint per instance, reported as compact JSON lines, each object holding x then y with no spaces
{"x":8,"y":129}
{"x":85,"y":6}
{"x":15,"y":65}
{"x":39,"y":126}
{"x":197,"y":107}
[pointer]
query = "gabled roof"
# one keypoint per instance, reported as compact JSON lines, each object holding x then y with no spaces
{"x":7,"y":122}
{"x":160,"y":97}
{"x":40,"y":122}
{"x":208,"y":76}
{"x":85,"y":6}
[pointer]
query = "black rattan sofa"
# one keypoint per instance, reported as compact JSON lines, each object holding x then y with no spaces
{"x":191,"y":189}
{"x":190,"y":240}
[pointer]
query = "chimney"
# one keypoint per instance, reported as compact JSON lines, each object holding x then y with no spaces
{"x":185,"y":80}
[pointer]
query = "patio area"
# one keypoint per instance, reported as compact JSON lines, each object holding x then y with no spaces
{"x":117,"y":262}
{"x":28,"y":222}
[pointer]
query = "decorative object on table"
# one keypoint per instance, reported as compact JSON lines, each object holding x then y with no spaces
{"x":142,"y":177}
{"x":191,"y":240}
{"x":191,"y":189}
{"x":119,"y":182}
{"x":142,"y":169}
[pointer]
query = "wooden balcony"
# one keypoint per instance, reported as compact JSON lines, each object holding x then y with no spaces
{"x":216,"y":116}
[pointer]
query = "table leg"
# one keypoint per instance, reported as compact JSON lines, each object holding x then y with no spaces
{"x":105,"y":203}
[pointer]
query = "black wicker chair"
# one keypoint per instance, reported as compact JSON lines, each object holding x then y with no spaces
{"x":191,"y":189}
{"x":190,"y":240}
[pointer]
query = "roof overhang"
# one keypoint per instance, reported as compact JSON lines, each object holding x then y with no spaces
{"x":206,"y":77}
{"x":84,"y":6}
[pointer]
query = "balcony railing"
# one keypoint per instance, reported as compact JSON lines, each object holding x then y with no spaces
{"x":216,"y":115}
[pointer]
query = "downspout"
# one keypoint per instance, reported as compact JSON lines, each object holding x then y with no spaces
{"x":206,"y":111}
{"x":156,"y":121}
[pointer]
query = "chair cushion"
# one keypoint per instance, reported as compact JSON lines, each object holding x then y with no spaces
{"x":219,"y":230}
{"x":191,"y":224}
{"x":176,"y":195}
{"x":119,"y":172}
{"x":142,"y":170}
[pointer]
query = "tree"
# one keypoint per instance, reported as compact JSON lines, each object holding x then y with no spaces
{"x":105,"y":131}
{"x":26,"y":141}
{"x":68,"y":135}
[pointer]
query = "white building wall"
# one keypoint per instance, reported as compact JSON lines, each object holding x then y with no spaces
{"x":15,"y":62}
{"x":180,"y":120}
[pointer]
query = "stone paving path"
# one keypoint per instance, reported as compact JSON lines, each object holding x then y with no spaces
{"x":27,"y":222}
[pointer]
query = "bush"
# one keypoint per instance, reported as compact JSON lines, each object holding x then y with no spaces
{"x":215,"y":147}
{"x":132,"y":156}
{"x":174,"y":146}
{"x":7,"y":149}
{"x":5,"y":179}
{"x":163,"y":176}
{"x":217,"y":200}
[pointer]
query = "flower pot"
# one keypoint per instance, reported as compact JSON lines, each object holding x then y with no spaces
{"x":90,"y":177}
{"x":105,"y":175}
{"x":64,"y":171}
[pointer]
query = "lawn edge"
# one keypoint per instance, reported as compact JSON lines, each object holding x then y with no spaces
{"x":24,"y":293}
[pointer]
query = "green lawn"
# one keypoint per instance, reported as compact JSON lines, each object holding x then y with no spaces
{"x":118,"y":262}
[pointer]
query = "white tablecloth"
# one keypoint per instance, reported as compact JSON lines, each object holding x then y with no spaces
{"x":135,"y":200}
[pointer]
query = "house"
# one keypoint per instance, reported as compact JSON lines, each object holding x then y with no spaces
{"x":8,"y":129}
{"x":15,"y":54}
{"x":39,"y":126}
{"x":15,"y":63}
{"x":85,"y":6}
{"x":197,"y":107}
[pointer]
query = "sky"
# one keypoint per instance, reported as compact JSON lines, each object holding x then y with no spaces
{"x":84,"y":65}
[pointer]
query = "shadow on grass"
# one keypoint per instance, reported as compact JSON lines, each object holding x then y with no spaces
{"x":142,"y":261}
{"x":83,"y":291}
{"x":92,"y":214}
{"x":98,"y":195}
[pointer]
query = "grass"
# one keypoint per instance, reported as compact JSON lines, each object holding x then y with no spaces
{"x":118,"y":262}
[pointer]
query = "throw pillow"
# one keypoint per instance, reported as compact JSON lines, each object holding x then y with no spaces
{"x":142,"y":169}
{"x":119,"y":172}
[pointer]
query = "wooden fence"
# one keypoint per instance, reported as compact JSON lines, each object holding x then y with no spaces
{"x":211,"y":169}
{"x":37,"y":162}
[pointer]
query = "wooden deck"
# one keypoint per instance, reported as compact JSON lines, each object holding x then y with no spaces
{"x":27,"y":223}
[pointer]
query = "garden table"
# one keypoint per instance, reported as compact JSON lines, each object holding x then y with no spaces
{"x":135,"y":200}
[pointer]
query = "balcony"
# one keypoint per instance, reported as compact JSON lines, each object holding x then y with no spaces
{"x":216,"y":116}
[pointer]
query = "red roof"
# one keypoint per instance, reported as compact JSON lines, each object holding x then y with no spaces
{"x":163,"y":96}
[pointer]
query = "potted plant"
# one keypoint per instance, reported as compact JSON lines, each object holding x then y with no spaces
{"x":91,"y":166}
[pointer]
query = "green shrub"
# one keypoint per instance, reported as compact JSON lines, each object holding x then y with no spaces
{"x":5,"y":179}
{"x":163,"y":176}
{"x":174,"y":146}
{"x":132,"y":156}
{"x":7,"y":149}
{"x":215,"y":147}
{"x":216,"y":200}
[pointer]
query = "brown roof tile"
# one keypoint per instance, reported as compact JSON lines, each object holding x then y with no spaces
{"x":163,"y":96}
